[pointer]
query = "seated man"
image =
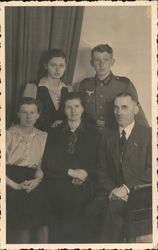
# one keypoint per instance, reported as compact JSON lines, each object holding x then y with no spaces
{"x":125,"y":161}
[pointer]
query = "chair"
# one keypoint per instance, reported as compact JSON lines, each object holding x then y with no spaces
{"x":139,"y":212}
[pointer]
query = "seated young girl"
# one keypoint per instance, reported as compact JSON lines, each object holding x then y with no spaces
{"x":51,"y":91}
{"x":25,"y":146}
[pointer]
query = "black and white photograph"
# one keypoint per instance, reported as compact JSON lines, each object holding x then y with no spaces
{"x":78,"y":125}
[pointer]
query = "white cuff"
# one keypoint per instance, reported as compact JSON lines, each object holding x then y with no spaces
{"x":128,"y":191}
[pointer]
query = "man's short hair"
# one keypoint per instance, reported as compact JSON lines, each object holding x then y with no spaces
{"x":124,"y":94}
{"x":102,"y":48}
{"x":72,"y":96}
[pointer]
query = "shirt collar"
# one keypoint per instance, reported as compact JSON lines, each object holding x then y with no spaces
{"x":18,"y":130}
{"x":128,"y":129}
{"x":105,"y":81}
{"x":66,"y":127}
{"x":44,"y":83}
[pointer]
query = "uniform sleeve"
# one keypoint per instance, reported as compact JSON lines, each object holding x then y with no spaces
{"x":82,"y":88}
{"x":140,"y":117}
{"x":30,"y":90}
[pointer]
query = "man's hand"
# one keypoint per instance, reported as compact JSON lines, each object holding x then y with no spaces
{"x":78,"y":173}
{"x":56,"y":123}
{"x":119,"y":193}
{"x":76,"y":181}
{"x":31,"y":184}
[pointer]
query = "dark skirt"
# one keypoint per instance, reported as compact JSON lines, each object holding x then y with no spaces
{"x":24,"y":210}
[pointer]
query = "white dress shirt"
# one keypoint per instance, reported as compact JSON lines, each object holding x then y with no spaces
{"x":127,"y":130}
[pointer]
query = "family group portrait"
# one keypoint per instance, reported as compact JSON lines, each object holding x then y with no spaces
{"x":78,"y":100}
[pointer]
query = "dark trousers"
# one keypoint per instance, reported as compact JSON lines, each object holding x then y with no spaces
{"x":114,"y":222}
{"x":93,"y":218}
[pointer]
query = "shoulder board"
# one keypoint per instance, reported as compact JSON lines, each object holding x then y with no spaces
{"x":122,"y":78}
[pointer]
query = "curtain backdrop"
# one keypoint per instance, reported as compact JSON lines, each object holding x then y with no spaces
{"x":30,"y":31}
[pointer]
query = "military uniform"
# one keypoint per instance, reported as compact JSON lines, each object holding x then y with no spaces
{"x":98,"y":97}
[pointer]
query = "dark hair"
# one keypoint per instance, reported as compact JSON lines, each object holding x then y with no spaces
{"x":102,"y":48}
{"x":54,"y":53}
{"x":72,"y":96}
{"x":30,"y":100}
{"x":124,"y":94}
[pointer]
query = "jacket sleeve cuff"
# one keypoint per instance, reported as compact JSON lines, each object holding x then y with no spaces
{"x":128,"y":191}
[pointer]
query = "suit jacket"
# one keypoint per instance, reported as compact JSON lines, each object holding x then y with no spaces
{"x":136,"y":163}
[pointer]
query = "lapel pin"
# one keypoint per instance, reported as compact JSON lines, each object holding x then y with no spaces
{"x":135,"y":144}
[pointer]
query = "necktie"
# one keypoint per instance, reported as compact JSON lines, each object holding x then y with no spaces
{"x":122,"y":149}
{"x":123,"y":141}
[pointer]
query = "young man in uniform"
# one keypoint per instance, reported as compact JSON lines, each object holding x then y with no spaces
{"x":98,"y":92}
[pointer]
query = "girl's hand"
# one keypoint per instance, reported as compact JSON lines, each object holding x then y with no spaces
{"x":18,"y":186}
{"x":56,"y":123}
{"x":31,"y":184}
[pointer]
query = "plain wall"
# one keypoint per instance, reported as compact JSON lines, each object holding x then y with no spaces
{"x":128,"y":31}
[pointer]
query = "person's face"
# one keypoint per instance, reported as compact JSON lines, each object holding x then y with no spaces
{"x":125,"y":110}
{"x":28,"y":115}
{"x":56,"y":67}
{"x":102,"y":63}
{"x":73,"y":109}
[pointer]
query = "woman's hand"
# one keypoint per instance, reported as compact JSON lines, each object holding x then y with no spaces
{"x":12,"y":184}
{"x":31,"y":184}
{"x":18,"y":186}
{"x":78,"y":173}
{"x":56,"y":123}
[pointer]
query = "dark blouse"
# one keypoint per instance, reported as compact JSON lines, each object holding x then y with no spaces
{"x":65,"y":150}
{"x":49,"y":113}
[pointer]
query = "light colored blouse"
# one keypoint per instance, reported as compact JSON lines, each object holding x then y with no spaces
{"x":23,"y":150}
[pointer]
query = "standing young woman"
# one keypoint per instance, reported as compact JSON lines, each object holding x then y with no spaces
{"x":51,"y":91}
{"x":25,"y":146}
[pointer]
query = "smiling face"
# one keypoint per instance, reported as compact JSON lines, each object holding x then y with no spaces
{"x":28,"y":115}
{"x":73,"y":109}
{"x":102,"y":63}
{"x":125,"y":110}
{"x":56,"y":67}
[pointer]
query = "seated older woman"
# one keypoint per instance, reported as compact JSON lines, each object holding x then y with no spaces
{"x":69,"y":165}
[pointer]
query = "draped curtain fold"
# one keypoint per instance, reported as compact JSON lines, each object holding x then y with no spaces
{"x":29,"y":32}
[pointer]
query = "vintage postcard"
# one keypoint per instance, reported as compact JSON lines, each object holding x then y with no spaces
{"x":78,"y":122}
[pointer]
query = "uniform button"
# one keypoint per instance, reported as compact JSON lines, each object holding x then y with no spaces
{"x":101,"y":107}
{"x":101,"y":84}
{"x":101,"y":95}
{"x":101,"y":117}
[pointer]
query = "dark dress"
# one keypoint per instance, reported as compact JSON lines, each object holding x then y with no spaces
{"x":65,"y":150}
{"x":49,"y":113}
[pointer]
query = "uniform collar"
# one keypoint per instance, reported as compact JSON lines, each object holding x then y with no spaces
{"x":105,"y":81}
{"x":127,"y":130}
